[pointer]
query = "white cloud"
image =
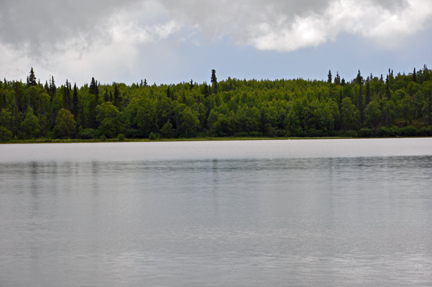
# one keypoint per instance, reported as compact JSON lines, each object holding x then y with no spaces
{"x":105,"y":38}
{"x":385,"y":26}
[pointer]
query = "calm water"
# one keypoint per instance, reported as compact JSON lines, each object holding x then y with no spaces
{"x":252,"y":213}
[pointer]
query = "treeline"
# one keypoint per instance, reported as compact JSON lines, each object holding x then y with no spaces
{"x":371,"y":106}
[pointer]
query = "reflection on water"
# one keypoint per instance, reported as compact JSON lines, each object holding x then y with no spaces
{"x":217,"y":222}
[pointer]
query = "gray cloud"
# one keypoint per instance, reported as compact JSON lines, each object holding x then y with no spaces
{"x":36,"y":23}
{"x":87,"y":37}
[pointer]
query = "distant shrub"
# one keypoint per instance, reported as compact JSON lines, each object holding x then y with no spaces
{"x":408,"y":131}
{"x":423,"y":132}
{"x":255,"y":134}
{"x":241,"y":134}
{"x":152,"y":136}
{"x":88,"y":134}
{"x":271,"y":131}
{"x":351,"y":134}
{"x":396,"y":131}
{"x":365,"y":133}
{"x":313,"y":133}
{"x":133,"y":134}
{"x":103,"y":138}
{"x":280,"y":133}
{"x":384,"y":132}
{"x":121,"y":137}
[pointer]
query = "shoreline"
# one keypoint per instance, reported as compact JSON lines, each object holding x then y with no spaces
{"x":116,"y":140}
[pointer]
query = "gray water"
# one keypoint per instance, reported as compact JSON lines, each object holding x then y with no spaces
{"x":251,"y":213}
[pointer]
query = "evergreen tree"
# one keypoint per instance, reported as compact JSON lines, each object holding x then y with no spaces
{"x":359,"y":78}
{"x":367,"y":99}
{"x":337,"y":79}
{"x":31,"y":80}
{"x":414,"y":76}
{"x":94,"y":90}
{"x":117,"y":98}
{"x":214,"y":81}
{"x":388,"y":93}
{"x":360,"y":103}
{"x":329,"y":77}
{"x":75,"y":102}
{"x":66,"y":96}
{"x":46,"y":87}
{"x":106,"y":97}
{"x":168,"y":92}
{"x":52,"y":88}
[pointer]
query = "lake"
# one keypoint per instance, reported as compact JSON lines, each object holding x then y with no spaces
{"x":225,"y":213}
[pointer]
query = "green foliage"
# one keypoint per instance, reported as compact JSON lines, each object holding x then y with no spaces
{"x":88,"y":134}
{"x":30,"y":126}
{"x":167,"y":130}
{"x":5,"y":134}
{"x":109,"y":118}
{"x":65,"y":126}
{"x":152,"y":136}
{"x":121,"y":137}
{"x":361,"y":107}
{"x":365,"y":133}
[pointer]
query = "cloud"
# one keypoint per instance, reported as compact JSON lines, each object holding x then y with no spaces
{"x":290,"y":25}
{"x":86,"y":37}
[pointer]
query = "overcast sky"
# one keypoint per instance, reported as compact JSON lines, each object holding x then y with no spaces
{"x":170,"y":41}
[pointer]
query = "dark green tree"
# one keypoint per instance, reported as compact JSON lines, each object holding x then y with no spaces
{"x":75,"y":102}
{"x":94,"y":90}
{"x":388,"y":92}
{"x":329,"y":77}
{"x":65,"y":125}
{"x":117,"y":99}
{"x":337,"y":79}
{"x":359,"y":78}
{"x":67,"y":101}
{"x":31,"y":80}
{"x":367,"y":98}
{"x":30,"y":126}
{"x":214,"y":81}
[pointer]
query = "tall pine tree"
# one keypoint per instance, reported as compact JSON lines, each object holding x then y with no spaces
{"x":214,"y":81}
{"x":75,"y":102}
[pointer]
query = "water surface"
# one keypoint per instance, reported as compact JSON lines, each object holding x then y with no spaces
{"x":252,"y":213}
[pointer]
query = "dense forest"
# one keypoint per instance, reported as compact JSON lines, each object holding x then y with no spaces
{"x":371,"y":106}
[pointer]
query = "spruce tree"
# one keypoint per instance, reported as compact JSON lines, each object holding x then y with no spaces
{"x":359,"y":78}
{"x":75,"y":102}
{"x":168,"y":93}
{"x":414,"y":76}
{"x":337,"y":79}
{"x":329,"y":77}
{"x":360,"y":105}
{"x":214,"y":81}
{"x":31,"y":80}
{"x":117,"y":99}
{"x":52,"y":88}
{"x":367,"y":98}
{"x":106,"y":97}
{"x":94,"y":90}
{"x":66,"y":96}
{"x":388,"y":93}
